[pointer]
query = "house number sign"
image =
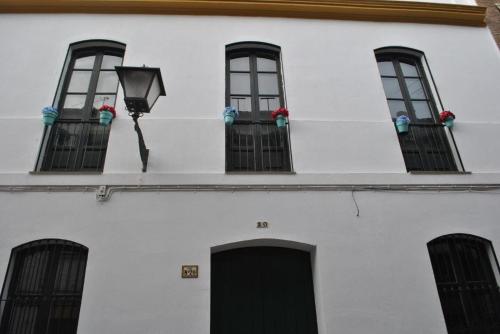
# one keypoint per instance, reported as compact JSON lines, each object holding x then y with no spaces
{"x":262,"y":224}
{"x":189,"y":271}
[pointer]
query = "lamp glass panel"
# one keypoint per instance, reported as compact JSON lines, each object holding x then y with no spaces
{"x":136,"y":83}
{"x":154,"y":92}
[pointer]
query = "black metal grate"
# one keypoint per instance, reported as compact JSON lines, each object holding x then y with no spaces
{"x":76,"y":146}
{"x":43,"y":289}
{"x":257,"y":147}
{"x":426,"y":148}
{"x":469,"y":293}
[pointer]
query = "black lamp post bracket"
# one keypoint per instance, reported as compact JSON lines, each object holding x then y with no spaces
{"x":142,"y":146}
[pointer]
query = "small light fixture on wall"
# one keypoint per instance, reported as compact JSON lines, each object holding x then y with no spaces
{"x":141,"y":86}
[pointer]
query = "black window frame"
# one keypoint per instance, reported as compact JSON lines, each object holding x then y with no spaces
{"x":257,"y":121}
{"x":466,"y":272}
{"x":43,"y":287}
{"x":409,"y":58}
{"x":80,"y":123}
{"x":428,"y":146}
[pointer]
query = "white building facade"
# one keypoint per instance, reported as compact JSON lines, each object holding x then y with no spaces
{"x":336,"y":223}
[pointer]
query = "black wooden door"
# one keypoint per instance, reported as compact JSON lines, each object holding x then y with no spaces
{"x":262,"y":290}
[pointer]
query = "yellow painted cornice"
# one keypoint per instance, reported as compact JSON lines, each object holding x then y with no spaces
{"x":363,"y":10}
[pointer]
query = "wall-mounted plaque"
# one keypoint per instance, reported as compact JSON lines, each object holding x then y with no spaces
{"x":190,"y":271}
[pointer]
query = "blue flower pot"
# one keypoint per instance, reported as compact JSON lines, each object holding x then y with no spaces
{"x":229,"y":118}
{"x":49,"y":118}
{"x":280,"y":121}
{"x":449,"y":122}
{"x":402,"y":127}
{"x":105,"y":117}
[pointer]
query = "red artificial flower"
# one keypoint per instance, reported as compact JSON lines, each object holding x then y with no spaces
{"x":444,"y":115}
{"x":280,"y":111}
{"x":109,"y":108}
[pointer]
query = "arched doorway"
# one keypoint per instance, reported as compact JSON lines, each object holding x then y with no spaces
{"x":262,"y":290}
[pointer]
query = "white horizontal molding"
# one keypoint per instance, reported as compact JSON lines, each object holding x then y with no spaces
{"x":254,"y":187}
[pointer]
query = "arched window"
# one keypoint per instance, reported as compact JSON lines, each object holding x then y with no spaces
{"x":43,"y":288}
{"x":466,"y":273}
{"x":76,"y":142}
{"x":254,"y":86}
{"x":426,"y":146}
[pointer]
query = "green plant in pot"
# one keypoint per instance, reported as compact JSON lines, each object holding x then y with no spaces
{"x":402,"y":123}
{"x":106,"y":114}
{"x":447,"y":118}
{"x":230,"y":114}
{"x":49,"y":115}
{"x":280,"y":115}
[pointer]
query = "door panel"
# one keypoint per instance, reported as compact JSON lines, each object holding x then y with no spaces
{"x":262,"y":290}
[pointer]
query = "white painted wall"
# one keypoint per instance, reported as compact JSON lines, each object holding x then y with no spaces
{"x":372,"y":272}
{"x":340,"y":121}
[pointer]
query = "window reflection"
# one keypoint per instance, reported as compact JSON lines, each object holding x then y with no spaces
{"x":85,"y":63}
{"x":108,"y":82}
{"x":240,"y":83}
{"x":79,"y":82}
{"x":269,"y":103}
{"x":240,"y":64}
{"x":74,"y":101}
{"x":109,"y":62}
{"x":266,"y":65}
{"x":386,"y":68}
{"x":241,"y":103}
{"x":391,"y":88}
{"x":409,"y":70}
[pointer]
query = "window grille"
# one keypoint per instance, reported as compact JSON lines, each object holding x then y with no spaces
{"x":43,"y":288}
{"x":76,"y":146}
{"x":426,"y":148}
{"x":254,"y":86}
{"x":464,"y":268}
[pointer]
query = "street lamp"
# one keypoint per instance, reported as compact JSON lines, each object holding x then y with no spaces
{"x":141,"y":86}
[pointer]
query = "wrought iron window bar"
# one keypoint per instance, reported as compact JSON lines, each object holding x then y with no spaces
{"x":76,"y":146}
{"x":257,"y":146}
{"x":469,"y":293}
{"x":426,"y":148}
{"x":44,"y":290}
